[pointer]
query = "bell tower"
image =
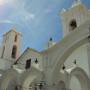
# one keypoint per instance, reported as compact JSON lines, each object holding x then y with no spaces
{"x":11,"y":45}
{"x":76,"y":15}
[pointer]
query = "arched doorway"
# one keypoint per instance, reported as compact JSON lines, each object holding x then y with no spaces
{"x":27,"y":79}
{"x":75,"y":84}
{"x":9,"y":80}
{"x":62,"y":50}
{"x":82,"y":78}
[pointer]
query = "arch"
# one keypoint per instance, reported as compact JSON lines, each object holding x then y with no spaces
{"x":81,"y":75}
{"x":62,"y":50}
{"x":28,"y":77}
{"x":28,"y":64}
{"x":9,"y":80}
{"x":75,"y":40}
{"x":14,"y":51}
{"x":73,"y":25}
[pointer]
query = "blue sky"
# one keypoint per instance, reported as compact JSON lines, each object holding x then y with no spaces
{"x":37,"y":20}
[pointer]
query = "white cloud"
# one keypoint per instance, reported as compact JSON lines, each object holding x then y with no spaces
{"x":29,"y":16}
{"x":5,"y":21}
{"x":49,"y":10}
{"x":15,"y":3}
{"x":2,"y":2}
{"x":21,"y":10}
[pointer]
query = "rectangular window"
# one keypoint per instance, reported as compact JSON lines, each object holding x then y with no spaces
{"x":14,"y":52}
{"x":28,"y":64}
{"x":15,"y":38}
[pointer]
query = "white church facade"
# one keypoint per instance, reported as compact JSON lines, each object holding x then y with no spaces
{"x":62,"y":66}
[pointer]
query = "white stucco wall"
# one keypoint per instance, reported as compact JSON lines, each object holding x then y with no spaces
{"x":78,"y":12}
{"x":81,"y":57}
{"x":33,"y":56}
{"x":88,"y":50}
{"x":5,"y":64}
{"x":8,"y":42}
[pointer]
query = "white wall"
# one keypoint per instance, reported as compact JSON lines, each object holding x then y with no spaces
{"x":75,"y":84}
{"x":5,"y":64}
{"x":79,"y":12}
{"x":31,"y":55}
{"x":9,"y":42}
{"x":81,"y":57}
{"x":88,"y":50}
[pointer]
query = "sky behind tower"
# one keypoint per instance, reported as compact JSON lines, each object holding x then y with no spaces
{"x":37,"y":20}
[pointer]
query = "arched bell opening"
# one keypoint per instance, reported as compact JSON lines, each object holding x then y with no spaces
{"x":72,"y":25}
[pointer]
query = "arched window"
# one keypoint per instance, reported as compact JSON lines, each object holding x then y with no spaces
{"x":15,"y":38}
{"x":14,"y":51}
{"x":36,"y":61}
{"x":28,"y":64}
{"x":73,"y":24}
{"x":63,"y":67}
